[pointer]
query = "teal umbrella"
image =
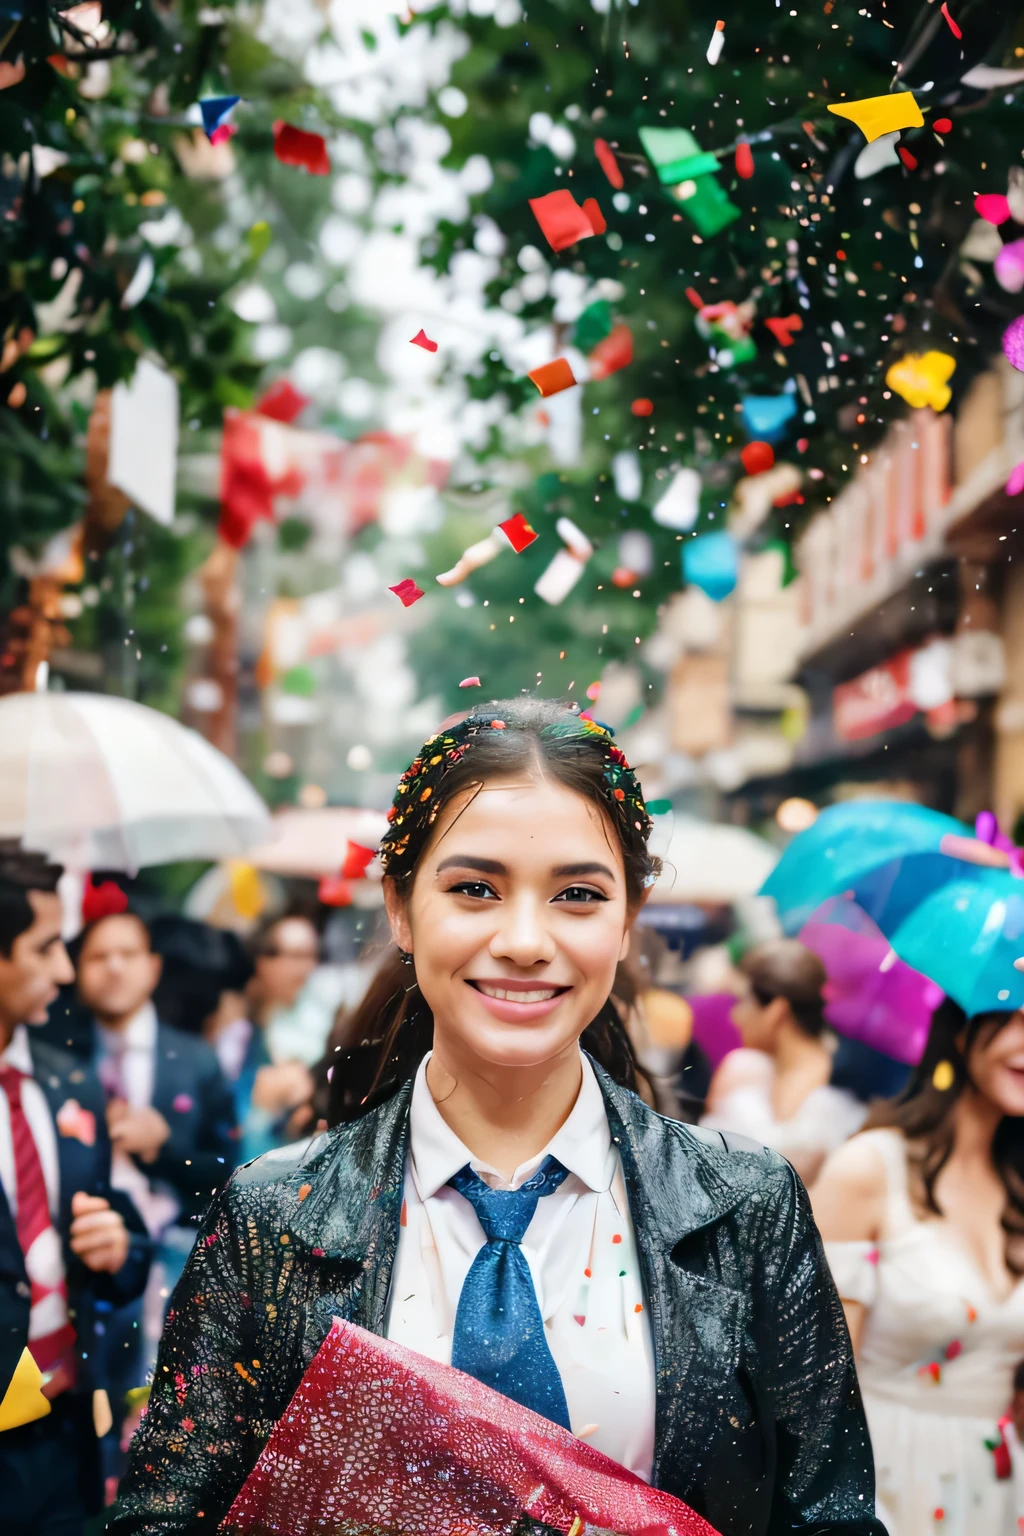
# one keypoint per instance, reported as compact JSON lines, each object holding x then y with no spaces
{"x":965,"y":936}
{"x":887,"y":854}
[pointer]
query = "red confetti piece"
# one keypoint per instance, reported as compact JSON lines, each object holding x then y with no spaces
{"x":623,"y":577}
{"x":470,"y":682}
{"x":403,"y":1220}
{"x":608,"y":162}
{"x":407,"y":592}
{"x":294,"y":146}
{"x":909,"y":160}
{"x":282,"y":402}
{"x":744,"y":160}
{"x":935,"y":1371}
{"x":617,"y":1238}
{"x":939,"y":1514}
{"x":639,"y":1307}
{"x":952,"y":24}
{"x":953,"y":1349}
{"x":561,"y":218}
{"x":579,"y":1317}
{"x":943,"y":125}
{"x":783,"y":326}
{"x":223,"y":133}
{"x":613,"y":353}
{"x":695,"y":298}
{"x":972,"y":1313}
{"x":552,"y":378}
{"x":519,"y":534}
{"x":757,"y":457}
{"x":993,"y":207}
{"x":421,"y":339}
{"x":598,"y":222}
{"x":333,"y":891}
{"x":304,"y":1191}
{"x":588,"y":1273}
{"x":497,"y":725}
{"x":642,"y":407}
{"x":357,"y":860}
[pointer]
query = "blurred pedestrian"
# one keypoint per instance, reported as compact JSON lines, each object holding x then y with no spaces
{"x":68,"y":1242}
{"x":776,"y":1088}
{"x":923,"y":1220}
{"x":170,"y":1115}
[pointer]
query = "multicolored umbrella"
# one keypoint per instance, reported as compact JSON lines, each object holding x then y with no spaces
{"x":966,"y":935}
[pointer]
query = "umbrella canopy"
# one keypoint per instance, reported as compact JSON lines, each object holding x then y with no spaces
{"x":966,"y":936}
{"x":98,"y":782}
{"x":707,"y":861}
{"x":315,"y":843}
{"x":887,"y":854}
{"x":872,"y":996}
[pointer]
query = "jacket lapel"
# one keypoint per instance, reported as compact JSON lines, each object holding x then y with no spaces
{"x":697,"y":1323}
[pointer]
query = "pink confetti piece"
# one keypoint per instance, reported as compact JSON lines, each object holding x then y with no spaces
{"x":470,"y":682}
{"x":407,"y":592}
{"x":1015,"y":484}
{"x":993,"y":207}
{"x":421,"y":339}
{"x":952,"y":24}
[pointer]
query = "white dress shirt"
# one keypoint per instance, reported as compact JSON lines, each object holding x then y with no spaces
{"x":40,"y":1123}
{"x":581,"y":1250}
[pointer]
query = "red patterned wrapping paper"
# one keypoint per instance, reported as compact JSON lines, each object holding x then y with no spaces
{"x":381,"y":1441}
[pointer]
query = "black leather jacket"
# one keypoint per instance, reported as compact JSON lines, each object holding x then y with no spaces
{"x":759,"y":1424}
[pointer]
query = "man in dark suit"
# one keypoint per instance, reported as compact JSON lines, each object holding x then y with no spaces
{"x":169,"y":1112}
{"x":69,"y":1244}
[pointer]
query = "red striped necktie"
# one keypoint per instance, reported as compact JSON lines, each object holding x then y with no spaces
{"x":51,"y":1337}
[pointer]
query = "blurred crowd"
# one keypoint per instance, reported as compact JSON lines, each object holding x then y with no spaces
{"x":199,"y":1049}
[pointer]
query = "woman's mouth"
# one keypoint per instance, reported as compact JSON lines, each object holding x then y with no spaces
{"x":517,"y":1001}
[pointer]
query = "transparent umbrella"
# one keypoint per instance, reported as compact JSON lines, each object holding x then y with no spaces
{"x":98,"y":782}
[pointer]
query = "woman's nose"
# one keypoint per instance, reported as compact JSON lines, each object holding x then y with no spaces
{"x":523,"y":936}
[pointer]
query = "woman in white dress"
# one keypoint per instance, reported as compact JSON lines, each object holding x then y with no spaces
{"x":775,"y":1088}
{"x":923,"y":1220}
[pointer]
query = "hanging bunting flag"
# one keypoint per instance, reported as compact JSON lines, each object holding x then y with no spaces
{"x":688,"y":170}
{"x":357,"y":861}
{"x":216,"y":110}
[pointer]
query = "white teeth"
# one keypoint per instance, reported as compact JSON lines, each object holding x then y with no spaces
{"x":541,"y":995}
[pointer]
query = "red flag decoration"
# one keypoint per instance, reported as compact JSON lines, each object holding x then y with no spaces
{"x":282,"y":402}
{"x":247,"y":488}
{"x":518,"y":532}
{"x":613,"y":353}
{"x":744,"y":160}
{"x":608,"y":163}
{"x":421,"y":339}
{"x":552,"y":378}
{"x":783,"y":326}
{"x":357,"y":861}
{"x":294,"y":146}
{"x":562,"y":219}
{"x":407,"y":592}
{"x":388,"y":1440}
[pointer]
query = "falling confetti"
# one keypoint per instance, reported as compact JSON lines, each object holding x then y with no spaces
{"x":642,"y":407}
{"x":783,"y":326}
{"x":1013,"y":342}
{"x":407,"y":592}
{"x":613,"y":353}
{"x":717,"y":43}
{"x":993,"y":207}
{"x":216,"y":110}
{"x":608,"y":163}
{"x":757,"y":457}
{"x":877,"y":115}
{"x":563,"y":221}
{"x":421,"y":339}
{"x":470,"y":682}
{"x":552,"y":378}
{"x":518,"y":532}
{"x":744,"y":160}
{"x":944,"y":8}
{"x":294,"y":146}
{"x":943,"y":125}
{"x":920,"y":379}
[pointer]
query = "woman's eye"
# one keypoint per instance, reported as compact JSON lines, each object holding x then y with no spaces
{"x":580,"y":895}
{"x":475,"y":888}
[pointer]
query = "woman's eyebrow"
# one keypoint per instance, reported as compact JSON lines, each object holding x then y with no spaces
{"x":583,"y":869}
{"x":466,"y":861}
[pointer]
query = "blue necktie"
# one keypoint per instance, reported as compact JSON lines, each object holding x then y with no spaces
{"x":499,"y":1332}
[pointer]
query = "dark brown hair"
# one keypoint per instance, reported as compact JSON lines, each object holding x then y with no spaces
{"x":389,"y":1033}
{"x":924,"y":1115}
{"x":20,"y":873}
{"x":786,"y":968}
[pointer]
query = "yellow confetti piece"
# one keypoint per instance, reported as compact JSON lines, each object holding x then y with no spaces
{"x":240,"y":1368}
{"x":943,"y":1077}
{"x":920,"y":379}
{"x":877,"y":115}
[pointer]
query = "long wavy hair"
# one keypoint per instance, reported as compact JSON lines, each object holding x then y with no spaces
{"x":924,"y":1113}
{"x":385,"y":1038}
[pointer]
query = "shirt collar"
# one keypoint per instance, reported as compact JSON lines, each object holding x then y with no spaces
{"x":139,"y":1034}
{"x":583,"y":1144}
{"x":19,"y":1054}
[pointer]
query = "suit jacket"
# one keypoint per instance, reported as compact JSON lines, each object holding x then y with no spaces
{"x":758,"y":1423}
{"x":83,"y":1151}
{"x":190,"y":1091}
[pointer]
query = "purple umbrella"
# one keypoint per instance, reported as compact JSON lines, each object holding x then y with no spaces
{"x":871,"y":995}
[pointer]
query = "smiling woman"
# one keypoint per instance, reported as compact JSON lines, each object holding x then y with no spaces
{"x":498,"y":1199}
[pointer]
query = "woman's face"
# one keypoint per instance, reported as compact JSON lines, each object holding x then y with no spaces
{"x":996,"y":1066}
{"x":516,"y":921}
